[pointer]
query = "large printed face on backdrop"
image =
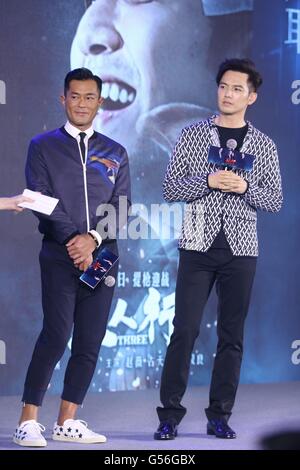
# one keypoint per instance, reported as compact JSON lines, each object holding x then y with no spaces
{"x":158,"y":61}
{"x":148,"y":54}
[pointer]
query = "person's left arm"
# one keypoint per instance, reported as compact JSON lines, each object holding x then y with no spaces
{"x":120,"y":202}
{"x":266,"y":194}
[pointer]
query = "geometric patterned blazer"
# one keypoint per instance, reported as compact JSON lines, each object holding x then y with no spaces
{"x":206,"y":210}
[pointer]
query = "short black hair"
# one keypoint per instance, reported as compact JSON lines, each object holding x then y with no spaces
{"x":82,"y":74}
{"x":243,"y":66}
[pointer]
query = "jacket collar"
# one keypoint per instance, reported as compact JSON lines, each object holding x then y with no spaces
{"x":74,"y":131}
{"x":215,"y":134}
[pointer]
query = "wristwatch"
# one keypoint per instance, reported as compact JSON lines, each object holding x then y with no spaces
{"x":95,"y":238}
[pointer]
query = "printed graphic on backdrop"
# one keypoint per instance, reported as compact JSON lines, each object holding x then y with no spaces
{"x":146,"y":105}
{"x":158,"y":62}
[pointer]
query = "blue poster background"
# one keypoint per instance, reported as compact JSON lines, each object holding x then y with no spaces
{"x":35,"y":45}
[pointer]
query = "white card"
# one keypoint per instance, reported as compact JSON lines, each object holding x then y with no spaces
{"x":43,"y":204}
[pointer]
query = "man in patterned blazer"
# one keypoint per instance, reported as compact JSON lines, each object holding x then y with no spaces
{"x":218,"y":243}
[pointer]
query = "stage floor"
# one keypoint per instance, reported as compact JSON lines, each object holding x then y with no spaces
{"x":128,"y":419}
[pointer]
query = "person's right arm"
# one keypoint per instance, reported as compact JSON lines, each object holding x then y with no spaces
{"x":60,"y":226}
{"x":178,"y":184}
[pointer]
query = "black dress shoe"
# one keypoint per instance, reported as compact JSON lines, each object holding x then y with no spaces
{"x":166,"y":431}
{"x":220,"y":429}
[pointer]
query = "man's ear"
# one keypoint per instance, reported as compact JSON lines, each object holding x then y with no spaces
{"x":62,"y":100}
{"x":252,"y":97}
{"x":100,"y":101}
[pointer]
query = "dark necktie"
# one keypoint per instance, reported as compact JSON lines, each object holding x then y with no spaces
{"x":82,"y":145}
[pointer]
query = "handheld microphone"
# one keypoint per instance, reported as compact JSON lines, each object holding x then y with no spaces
{"x":109,"y":281}
{"x":99,"y":269}
{"x":231,"y":144}
{"x":229,"y":158}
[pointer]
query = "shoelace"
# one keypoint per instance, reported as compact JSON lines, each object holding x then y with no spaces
{"x":36,"y":425}
{"x":80,"y":421}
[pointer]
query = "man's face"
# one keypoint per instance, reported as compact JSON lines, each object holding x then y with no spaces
{"x":234,"y":94}
{"x":81,"y":103}
{"x":148,"y":53}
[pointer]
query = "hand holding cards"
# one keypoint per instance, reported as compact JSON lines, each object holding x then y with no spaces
{"x":41,"y":203}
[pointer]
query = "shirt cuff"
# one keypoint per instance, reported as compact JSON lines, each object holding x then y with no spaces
{"x":207,"y":183}
{"x":97,"y":236}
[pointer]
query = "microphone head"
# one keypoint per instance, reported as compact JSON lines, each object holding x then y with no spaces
{"x":109,"y":281}
{"x":231,"y":144}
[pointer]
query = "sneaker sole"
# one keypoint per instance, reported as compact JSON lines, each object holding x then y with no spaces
{"x":25,"y":443}
{"x":95,"y":440}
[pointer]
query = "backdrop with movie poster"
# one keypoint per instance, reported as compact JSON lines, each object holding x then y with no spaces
{"x":150,"y":93}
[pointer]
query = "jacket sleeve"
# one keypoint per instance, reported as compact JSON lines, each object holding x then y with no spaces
{"x":58,"y":225}
{"x":113,"y":216}
{"x":267,"y":194}
{"x":178,"y":184}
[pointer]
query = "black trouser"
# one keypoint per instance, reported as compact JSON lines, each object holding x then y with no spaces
{"x":197,"y":273}
{"x":67,"y":302}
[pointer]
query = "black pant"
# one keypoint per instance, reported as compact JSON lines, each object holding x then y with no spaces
{"x":197,"y":273}
{"x":67,"y":302}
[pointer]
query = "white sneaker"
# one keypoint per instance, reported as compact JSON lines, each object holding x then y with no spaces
{"x":76,"y":430}
{"x":29,"y":434}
